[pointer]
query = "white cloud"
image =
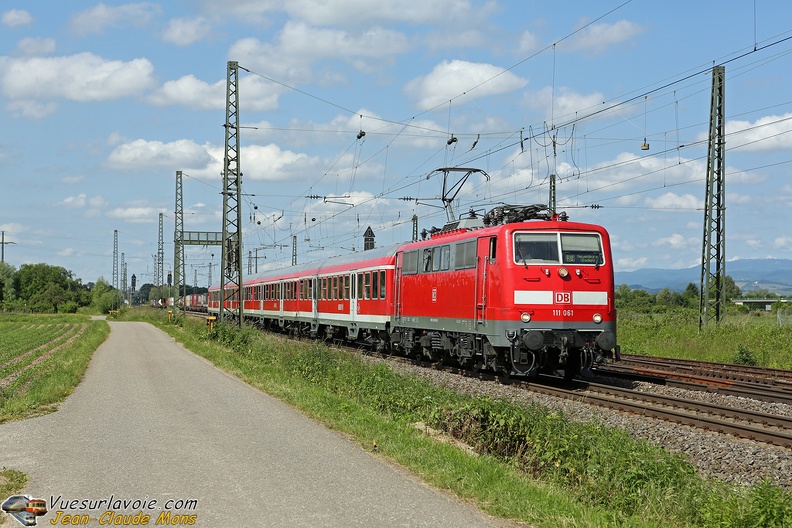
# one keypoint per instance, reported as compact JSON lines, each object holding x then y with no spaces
{"x":361,"y":12}
{"x":136,"y":214}
{"x":16,"y":18}
{"x":597,"y":38}
{"x":83,"y":77}
{"x":32,"y":109}
{"x":528,"y":43}
{"x":450,"y":80}
{"x":191,"y":92}
{"x":676,"y":241}
{"x":185,"y":31}
{"x":298,"y":46}
{"x":671,"y":200}
{"x":101,"y":17}
{"x":562,"y":103}
{"x":155,"y":154}
{"x":36,"y":46}
{"x":766,"y":133}
{"x":783,"y":242}
{"x":629,"y":264}
{"x":271,"y":163}
{"x":71,"y":180}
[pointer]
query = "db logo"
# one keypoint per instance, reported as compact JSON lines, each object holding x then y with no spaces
{"x":563,"y":297}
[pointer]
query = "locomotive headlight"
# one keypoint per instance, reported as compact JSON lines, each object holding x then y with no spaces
{"x":525,"y":317}
{"x":597,"y":318}
{"x":563,"y":272}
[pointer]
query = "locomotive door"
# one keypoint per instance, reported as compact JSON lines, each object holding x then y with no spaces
{"x":397,"y":288}
{"x":485,"y":255}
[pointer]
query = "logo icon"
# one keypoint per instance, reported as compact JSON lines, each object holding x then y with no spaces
{"x":24,"y":508}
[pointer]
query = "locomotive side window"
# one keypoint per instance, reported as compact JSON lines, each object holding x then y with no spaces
{"x":409,"y":262}
{"x":428,"y":254}
{"x":445,"y":258}
{"x":536,"y":248}
{"x":580,"y":248}
{"x":465,"y":255}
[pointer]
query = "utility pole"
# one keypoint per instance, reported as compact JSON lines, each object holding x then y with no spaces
{"x":712,"y":299}
{"x":231,"y":266}
{"x":2,"y":247}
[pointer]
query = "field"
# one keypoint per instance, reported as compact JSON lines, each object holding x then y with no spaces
{"x":42,"y":359}
{"x":752,"y":338}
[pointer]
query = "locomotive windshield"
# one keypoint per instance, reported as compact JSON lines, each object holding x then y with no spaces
{"x":545,"y":248}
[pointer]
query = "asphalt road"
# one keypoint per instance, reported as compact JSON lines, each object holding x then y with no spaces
{"x":153,"y":422}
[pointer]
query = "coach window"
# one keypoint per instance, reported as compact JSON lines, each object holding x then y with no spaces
{"x":374,"y":285}
{"x":335,"y":288}
{"x":367,"y":285}
{"x":382,"y":284}
{"x":345,"y":278}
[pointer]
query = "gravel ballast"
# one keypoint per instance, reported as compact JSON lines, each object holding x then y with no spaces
{"x":716,"y":455}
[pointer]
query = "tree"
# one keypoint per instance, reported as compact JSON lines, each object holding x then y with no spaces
{"x":730,"y":289}
{"x":7,"y":292}
{"x":104,"y":297}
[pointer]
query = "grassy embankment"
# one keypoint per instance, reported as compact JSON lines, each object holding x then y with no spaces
{"x":530,"y":465}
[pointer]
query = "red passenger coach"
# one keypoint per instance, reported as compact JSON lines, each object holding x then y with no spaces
{"x":519,"y":291}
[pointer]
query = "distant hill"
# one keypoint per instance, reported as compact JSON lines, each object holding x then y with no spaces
{"x":774,"y":275}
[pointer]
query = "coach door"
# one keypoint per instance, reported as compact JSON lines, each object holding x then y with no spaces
{"x":485,"y":256}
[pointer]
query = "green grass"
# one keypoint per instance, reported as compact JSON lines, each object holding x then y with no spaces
{"x":12,"y":482}
{"x":532,"y":465}
{"x":676,"y":335}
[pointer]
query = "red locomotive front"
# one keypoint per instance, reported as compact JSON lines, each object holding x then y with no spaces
{"x":519,"y":296}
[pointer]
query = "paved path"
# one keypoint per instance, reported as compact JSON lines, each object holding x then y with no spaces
{"x":153,"y":421}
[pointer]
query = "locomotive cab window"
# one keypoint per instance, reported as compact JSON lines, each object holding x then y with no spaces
{"x":536,"y":248}
{"x":581,"y":248}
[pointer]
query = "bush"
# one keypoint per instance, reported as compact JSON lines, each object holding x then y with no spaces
{"x":68,"y":307}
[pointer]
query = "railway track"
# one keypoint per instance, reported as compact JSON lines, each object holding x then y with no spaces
{"x":768,"y":385}
{"x":750,"y":425}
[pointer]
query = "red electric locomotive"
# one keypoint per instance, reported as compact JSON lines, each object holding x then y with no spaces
{"x":519,"y":291}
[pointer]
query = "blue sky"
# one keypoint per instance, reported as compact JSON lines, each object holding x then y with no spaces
{"x":103,"y":102}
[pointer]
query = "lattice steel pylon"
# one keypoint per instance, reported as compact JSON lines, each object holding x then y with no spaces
{"x":160,"y":271}
{"x":115,"y":259}
{"x":178,"y":236}
{"x":712,"y":299}
{"x":231,"y":260}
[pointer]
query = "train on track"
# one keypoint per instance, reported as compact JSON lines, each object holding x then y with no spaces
{"x":518,"y":291}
